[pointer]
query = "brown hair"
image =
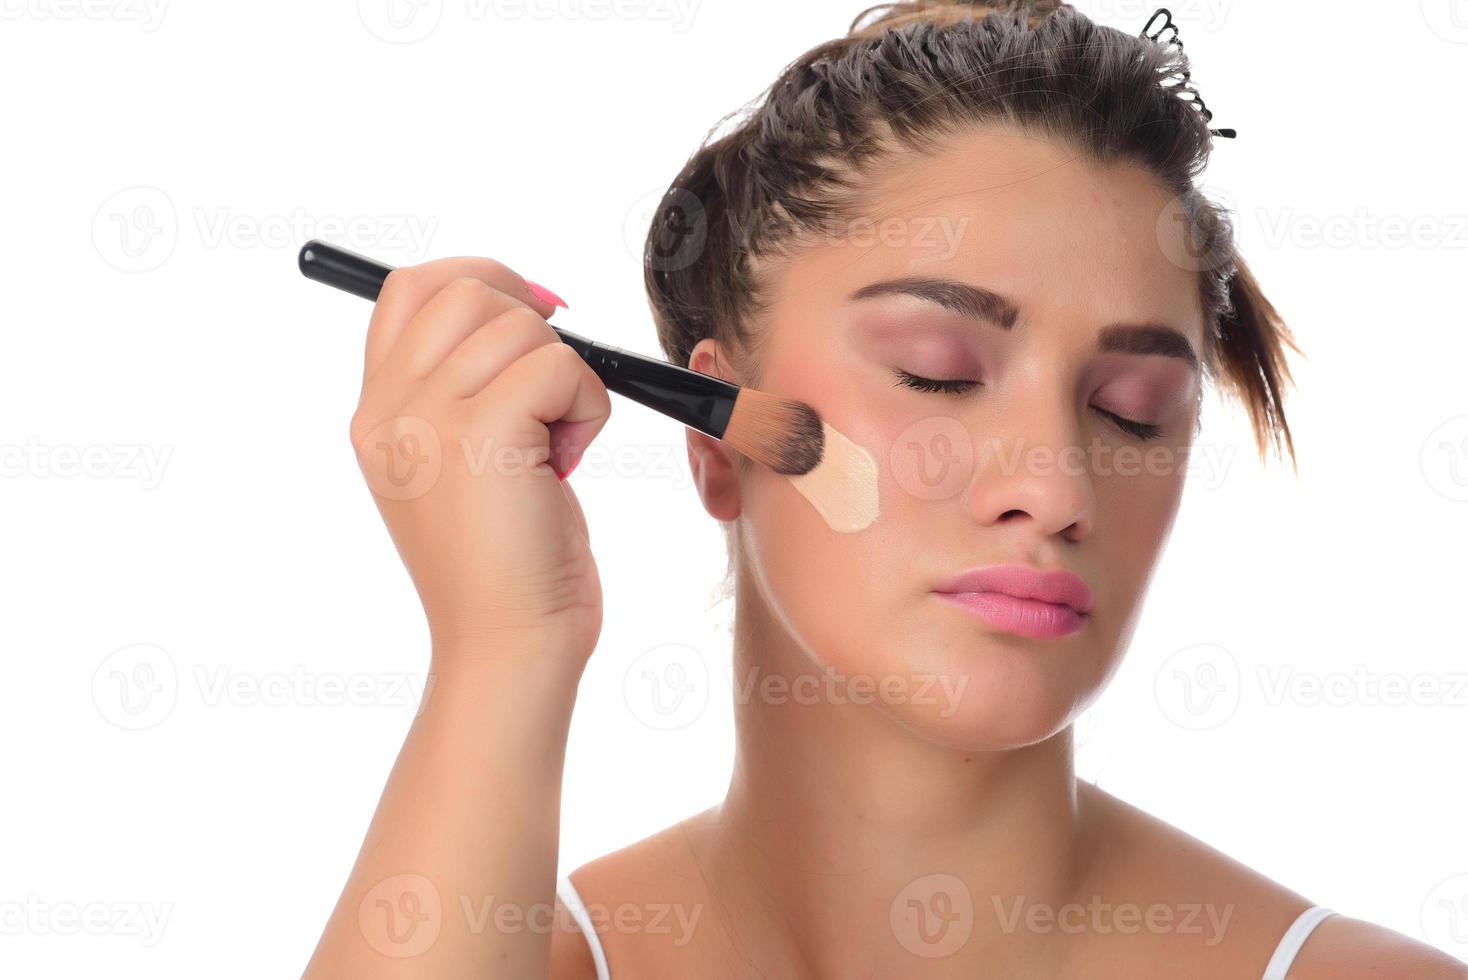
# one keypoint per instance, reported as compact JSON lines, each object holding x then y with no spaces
{"x":905,"y":78}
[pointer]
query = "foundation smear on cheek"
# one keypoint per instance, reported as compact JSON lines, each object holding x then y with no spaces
{"x":843,"y":489}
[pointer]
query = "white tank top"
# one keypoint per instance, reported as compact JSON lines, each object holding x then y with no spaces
{"x":1279,"y":963}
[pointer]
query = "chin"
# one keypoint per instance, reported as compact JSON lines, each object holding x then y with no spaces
{"x":1000,"y":708}
{"x":973,"y":688}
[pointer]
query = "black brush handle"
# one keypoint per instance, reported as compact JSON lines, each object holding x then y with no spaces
{"x":697,"y":400}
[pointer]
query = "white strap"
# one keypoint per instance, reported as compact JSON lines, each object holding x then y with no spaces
{"x":572,"y":900}
{"x":1293,"y":939}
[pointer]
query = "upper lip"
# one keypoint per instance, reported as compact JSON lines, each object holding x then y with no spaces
{"x":1023,"y":582}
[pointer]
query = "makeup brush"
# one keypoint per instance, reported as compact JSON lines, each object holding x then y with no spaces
{"x":785,"y":435}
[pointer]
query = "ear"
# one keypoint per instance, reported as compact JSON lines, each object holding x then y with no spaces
{"x":711,"y":462}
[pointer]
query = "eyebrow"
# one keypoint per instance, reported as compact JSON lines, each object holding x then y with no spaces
{"x":978,"y":303}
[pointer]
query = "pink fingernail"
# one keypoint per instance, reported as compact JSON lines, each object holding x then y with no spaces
{"x":569,"y":469}
{"x":545,"y":295}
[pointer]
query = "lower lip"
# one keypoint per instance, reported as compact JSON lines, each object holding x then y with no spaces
{"x":1023,"y":617}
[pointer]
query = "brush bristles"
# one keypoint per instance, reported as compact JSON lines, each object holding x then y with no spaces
{"x":787,"y":436}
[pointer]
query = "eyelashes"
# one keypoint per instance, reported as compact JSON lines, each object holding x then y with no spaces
{"x":953,"y":386}
{"x":962,"y":386}
{"x":1142,"y":430}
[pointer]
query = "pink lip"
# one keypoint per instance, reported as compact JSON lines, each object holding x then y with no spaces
{"x":1022,"y":600}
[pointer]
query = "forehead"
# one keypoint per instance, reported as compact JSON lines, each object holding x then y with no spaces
{"x":1071,"y":241}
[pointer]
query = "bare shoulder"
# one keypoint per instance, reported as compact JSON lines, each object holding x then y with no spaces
{"x":644,"y":901}
{"x":1342,"y":948}
{"x":1143,"y":855}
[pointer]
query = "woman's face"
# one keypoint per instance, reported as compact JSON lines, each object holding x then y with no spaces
{"x":1048,"y":282}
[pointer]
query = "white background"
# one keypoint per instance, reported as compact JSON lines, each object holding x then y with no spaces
{"x":179,"y":495}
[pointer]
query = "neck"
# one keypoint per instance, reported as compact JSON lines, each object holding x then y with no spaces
{"x":837,"y":815}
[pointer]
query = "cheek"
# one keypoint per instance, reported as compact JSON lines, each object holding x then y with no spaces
{"x":1137,"y":513}
{"x":809,"y":572}
{"x":831,"y":589}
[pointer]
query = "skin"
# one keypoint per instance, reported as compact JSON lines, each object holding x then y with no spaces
{"x":459,"y":353}
{"x":959,"y":784}
{"x":835,"y":808}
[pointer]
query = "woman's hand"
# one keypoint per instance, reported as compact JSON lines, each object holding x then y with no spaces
{"x":471,"y":406}
{"x":468,"y":400}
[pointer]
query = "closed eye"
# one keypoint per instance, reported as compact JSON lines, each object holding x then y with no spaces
{"x":950,"y":386}
{"x":960,"y":386}
{"x":1142,"y":430}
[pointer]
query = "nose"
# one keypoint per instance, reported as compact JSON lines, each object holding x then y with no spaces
{"x":1031,"y":469}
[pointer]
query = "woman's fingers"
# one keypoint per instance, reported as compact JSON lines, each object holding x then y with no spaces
{"x":450,"y":315}
{"x":554,"y":387}
{"x":408,"y":289}
{"x":488,"y":350}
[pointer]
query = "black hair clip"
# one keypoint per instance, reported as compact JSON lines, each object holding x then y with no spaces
{"x":1186,"y":85}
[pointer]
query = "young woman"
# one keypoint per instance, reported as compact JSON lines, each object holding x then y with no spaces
{"x":967,"y":235}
